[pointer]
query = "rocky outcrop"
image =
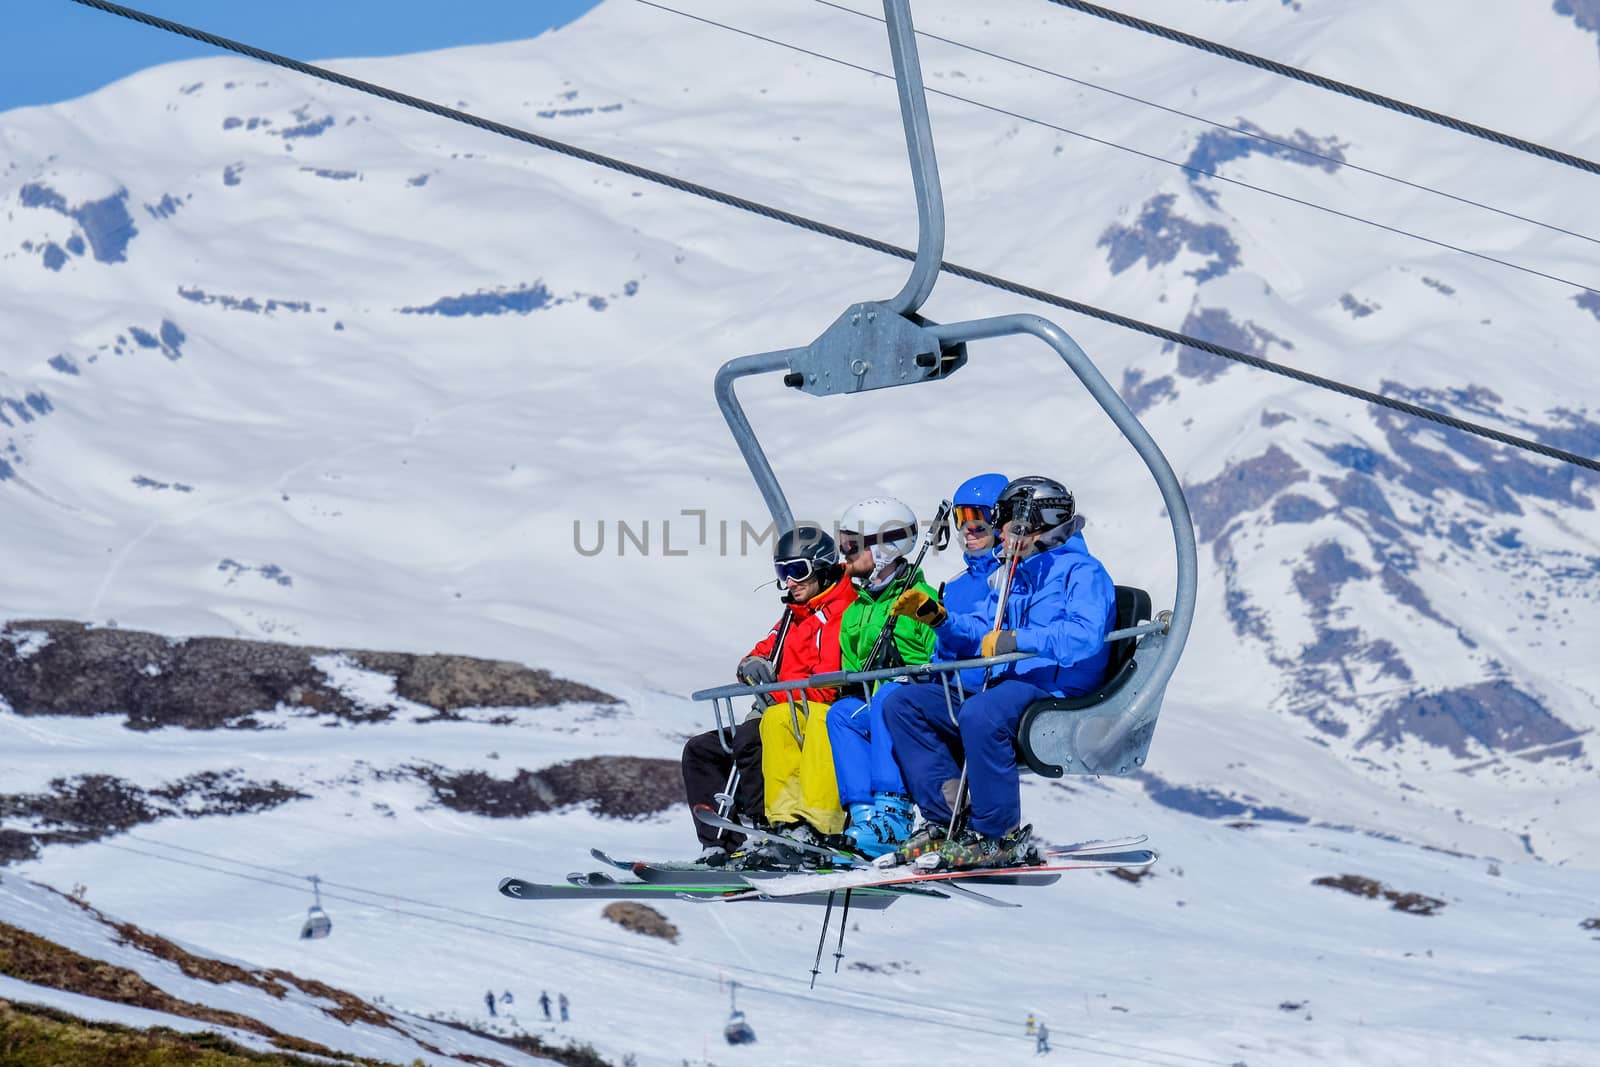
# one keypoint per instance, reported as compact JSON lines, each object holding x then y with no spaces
{"x":55,"y":667}
{"x":622,"y":787}
{"x":91,"y":806}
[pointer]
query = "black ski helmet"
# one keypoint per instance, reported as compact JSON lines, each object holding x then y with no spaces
{"x":809,"y":544}
{"x":1037,"y":502}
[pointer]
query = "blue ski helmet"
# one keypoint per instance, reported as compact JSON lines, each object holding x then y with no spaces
{"x":981,"y":490}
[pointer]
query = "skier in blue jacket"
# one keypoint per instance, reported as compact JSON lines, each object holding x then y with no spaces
{"x":1061,"y":604}
{"x":973,"y":515}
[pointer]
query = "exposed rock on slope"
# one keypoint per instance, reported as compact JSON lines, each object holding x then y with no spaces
{"x":91,"y":806}
{"x":618,"y":786}
{"x":55,"y":667}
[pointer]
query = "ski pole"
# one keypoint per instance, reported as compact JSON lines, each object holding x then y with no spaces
{"x":816,"y":965}
{"x":1014,"y":530}
{"x":844,"y":920}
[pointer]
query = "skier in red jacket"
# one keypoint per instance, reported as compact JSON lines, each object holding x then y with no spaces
{"x":786,"y":768}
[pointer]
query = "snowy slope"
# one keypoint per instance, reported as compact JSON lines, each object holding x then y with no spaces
{"x":292,"y":363}
{"x":300,"y":1014}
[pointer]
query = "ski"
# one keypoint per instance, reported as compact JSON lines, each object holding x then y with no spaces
{"x":684,"y":872}
{"x":966,"y":893}
{"x":687,"y":873}
{"x":1089,"y":848}
{"x":785,"y":885}
{"x":711,"y":818}
{"x":871,"y":898}
{"x":632,"y":866}
{"x":590,"y":880}
{"x":647,"y":872}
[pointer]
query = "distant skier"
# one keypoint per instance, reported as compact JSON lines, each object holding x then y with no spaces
{"x":778,"y":780}
{"x":875,"y":535}
{"x":544,"y":1002}
{"x":561,"y":1000}
{"x":1042,"y":1040}
{"x":1032,"y":1027}
{"x":488,"y":1001}
{"x":1059,"y":603}
{"x":506,"y":998}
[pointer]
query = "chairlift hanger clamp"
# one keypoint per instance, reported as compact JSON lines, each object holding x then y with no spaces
{"x":872,"y":346}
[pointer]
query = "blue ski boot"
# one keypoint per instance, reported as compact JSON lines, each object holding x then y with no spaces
{"x":885,"y":824}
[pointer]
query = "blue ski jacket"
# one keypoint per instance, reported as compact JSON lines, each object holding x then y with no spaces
{"x":964,"y":595}
{"x":1062,"y":605}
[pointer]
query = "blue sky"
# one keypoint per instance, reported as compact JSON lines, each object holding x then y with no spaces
{"x":54,"y":50}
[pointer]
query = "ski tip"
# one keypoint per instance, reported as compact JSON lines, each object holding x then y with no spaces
{"x":1138,"y":858}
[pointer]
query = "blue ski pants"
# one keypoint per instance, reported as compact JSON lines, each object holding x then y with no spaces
{"x":931,"y":748}
{"x":863,"y":751}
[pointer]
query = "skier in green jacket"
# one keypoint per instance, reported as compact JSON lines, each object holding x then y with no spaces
{"x":875,"y":537}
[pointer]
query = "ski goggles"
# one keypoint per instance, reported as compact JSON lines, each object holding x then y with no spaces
{"x":965,"y":513}
{"x":851,"y":543}
{"x":794,"y":570}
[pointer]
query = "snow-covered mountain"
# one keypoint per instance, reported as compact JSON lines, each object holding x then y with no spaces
{"x":288,"y":362}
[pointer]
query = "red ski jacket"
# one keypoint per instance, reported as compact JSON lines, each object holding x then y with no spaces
{"x":812,"y":644}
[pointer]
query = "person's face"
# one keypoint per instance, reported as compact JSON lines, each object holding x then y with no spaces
{"x":977,"y":536}
{"x":803,"y":589}
{"x":858,"y":562}
{"x":1024,"y":545}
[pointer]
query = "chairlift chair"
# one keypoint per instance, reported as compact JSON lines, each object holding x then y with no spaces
{"x":880,"y":344}
{"x":317,"y":924}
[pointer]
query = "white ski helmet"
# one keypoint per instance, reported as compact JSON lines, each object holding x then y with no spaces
{"x":885,"y":525}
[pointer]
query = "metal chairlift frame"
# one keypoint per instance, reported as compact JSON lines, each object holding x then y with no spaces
{"x":879,"y":344}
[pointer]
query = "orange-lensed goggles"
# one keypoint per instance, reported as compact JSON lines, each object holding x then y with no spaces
{"x":965,"y":513}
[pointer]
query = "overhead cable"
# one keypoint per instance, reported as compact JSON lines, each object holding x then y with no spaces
{"x":1186,"y":167}
{"x":1332,"y":161}
{"x":1343,"y":89}
{"x":848,"y":236}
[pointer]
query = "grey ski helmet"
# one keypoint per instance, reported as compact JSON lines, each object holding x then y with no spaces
{"x":1038,"y":503}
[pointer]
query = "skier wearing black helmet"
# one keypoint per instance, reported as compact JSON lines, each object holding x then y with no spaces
{"x":787,"y":783}
{"x":1058,"y":601}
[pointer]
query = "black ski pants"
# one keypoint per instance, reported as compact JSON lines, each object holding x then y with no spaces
{"x":705,"y":774}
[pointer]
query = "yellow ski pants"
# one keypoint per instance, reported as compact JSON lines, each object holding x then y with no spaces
{"x":799,"y":770}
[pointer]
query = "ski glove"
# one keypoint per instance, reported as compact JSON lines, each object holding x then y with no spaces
{"x":755,"y":670}
{"x":916,"y":604}
{"x":998,"y":643}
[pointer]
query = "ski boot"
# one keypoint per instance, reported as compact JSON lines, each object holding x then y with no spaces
{"x":778,"y":856}
{"x":924,"y":842}
{"x":970,"y":849}
{"x":880,"y":827}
